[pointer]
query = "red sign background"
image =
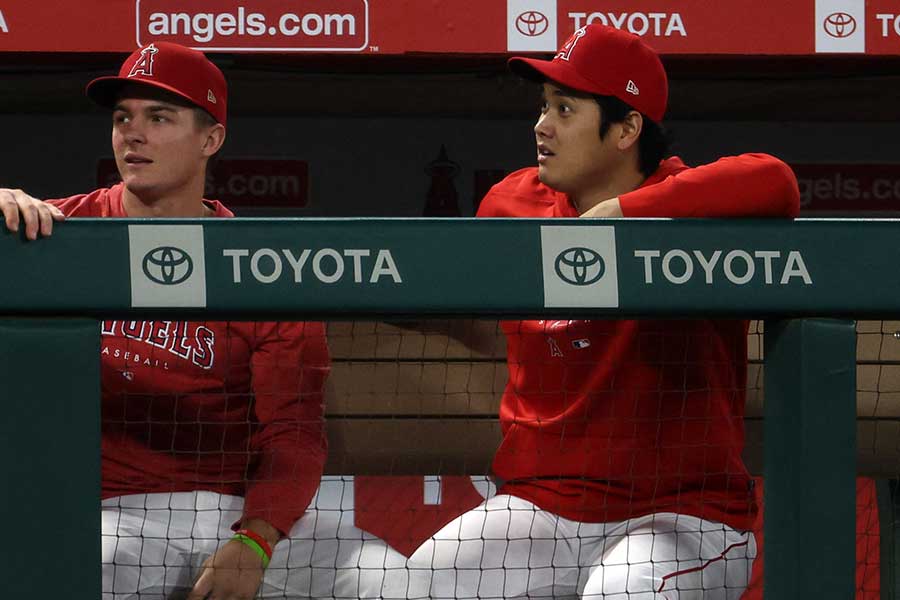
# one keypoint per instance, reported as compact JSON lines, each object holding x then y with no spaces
{"x":848,"y":188}
{"x":739,"y":27}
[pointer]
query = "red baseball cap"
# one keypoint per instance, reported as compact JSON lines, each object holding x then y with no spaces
{"x":183,"y":71}
{"x":606,"y":61}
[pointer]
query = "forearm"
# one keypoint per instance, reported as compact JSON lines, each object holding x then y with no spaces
{"x":263,"y":528}
{"x":281,"y":503}
{"x":289,"y":369}
{"x":608,"y":209}
{"x":285,"y":479}
{"x":749,"y":185}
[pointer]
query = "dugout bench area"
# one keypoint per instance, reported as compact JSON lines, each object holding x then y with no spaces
{"x":406,"y":401}
{"x":410,"y":399}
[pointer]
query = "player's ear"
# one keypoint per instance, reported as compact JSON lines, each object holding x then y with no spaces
{"x":631,"y":125}
{"x":215,"y":137}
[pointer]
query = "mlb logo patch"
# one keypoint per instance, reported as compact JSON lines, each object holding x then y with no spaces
{"x":581,"y":344}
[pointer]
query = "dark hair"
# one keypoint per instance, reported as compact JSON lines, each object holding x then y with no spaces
{"x":654,"y":143}
{"x":203,"y":119}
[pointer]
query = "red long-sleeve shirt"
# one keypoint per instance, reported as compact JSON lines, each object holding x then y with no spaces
{"x":230,"y":407}
{"x":606,"y":420}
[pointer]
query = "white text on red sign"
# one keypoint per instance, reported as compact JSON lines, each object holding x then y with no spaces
{"x":659,"y":24}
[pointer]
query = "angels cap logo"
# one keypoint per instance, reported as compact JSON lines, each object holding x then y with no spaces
{"x":839,"y":25}
{"x":144,"y":64}
{"x":532,"y":23}
{"x":631,"y":88}
{"x":565,"y":53}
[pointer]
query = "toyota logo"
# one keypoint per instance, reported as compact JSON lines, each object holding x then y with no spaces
{"x":839,"y":25}
{"x":579,"y":266}
{"x":532,"y":23}
{"x":167,"y":265}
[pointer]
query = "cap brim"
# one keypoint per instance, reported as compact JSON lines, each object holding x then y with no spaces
{"x":527,"y":68}
{"x":105,"y":90}
{"x":558,"y":71}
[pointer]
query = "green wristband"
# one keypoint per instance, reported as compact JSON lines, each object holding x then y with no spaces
{"x":251,"y":543}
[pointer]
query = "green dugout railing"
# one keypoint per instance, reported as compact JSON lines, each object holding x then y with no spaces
{"x":799,"y":276}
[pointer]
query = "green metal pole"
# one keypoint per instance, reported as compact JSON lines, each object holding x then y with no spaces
{"x":810,"y":459}
{"x":50,"y":458}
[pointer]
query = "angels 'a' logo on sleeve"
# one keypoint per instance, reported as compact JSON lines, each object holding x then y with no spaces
{"x":144,"y":64}
{"x":565,"y":53}
{"x":554,"y":347}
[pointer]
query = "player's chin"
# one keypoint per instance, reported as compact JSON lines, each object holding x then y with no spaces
{"x":557,"y":182}
{"x":547,"y":177}
{"x":137,"y":185}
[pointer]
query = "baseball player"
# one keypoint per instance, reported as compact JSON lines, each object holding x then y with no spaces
{"x":213,"y":438}
{"x":620,"y":473}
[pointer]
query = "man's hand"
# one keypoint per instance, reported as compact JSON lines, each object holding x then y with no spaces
{"x":608,"y":209}
{"x":232,"y":573}
{"x":17,"y":206}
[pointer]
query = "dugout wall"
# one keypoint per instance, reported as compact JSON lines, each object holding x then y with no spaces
{"x":774,"y":270}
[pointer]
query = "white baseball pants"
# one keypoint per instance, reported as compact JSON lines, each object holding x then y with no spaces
{"x":509,"y":548}
{"x":154,"y":545}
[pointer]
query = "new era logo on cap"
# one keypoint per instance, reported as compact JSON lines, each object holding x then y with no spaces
{"x":632,"y":89}
{"x":210,"y":96}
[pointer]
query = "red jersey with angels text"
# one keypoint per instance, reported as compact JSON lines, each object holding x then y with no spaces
{"x":605,"y":420}
{"x":230,"y":407}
